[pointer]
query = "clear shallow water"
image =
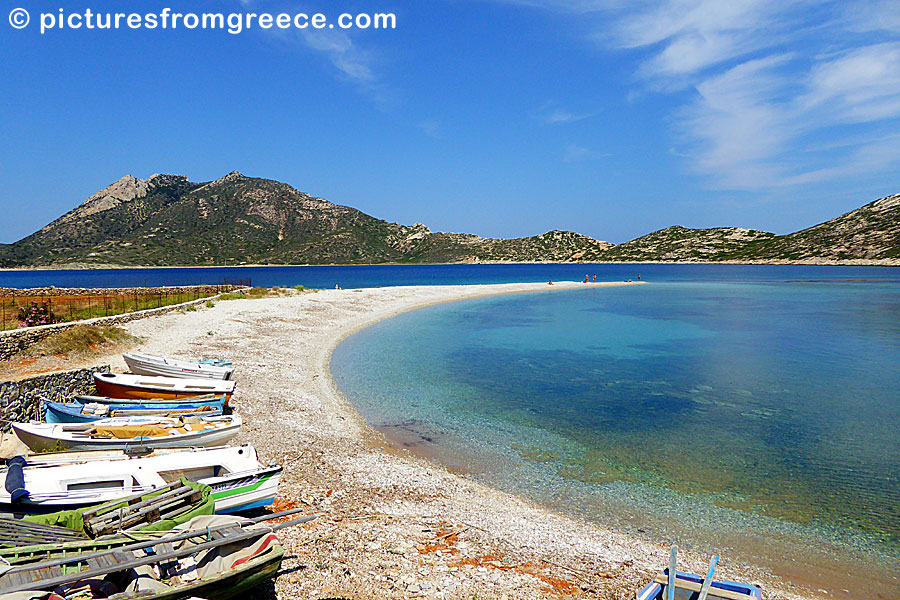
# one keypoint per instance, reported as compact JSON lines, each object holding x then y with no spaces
{"x":751,"y":415}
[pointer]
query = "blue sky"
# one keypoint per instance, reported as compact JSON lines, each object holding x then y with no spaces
{"x":498,"y":117}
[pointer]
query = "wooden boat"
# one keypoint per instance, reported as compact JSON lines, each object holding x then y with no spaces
{"x":160,"y":403}
{"x":64,"y":480}
{"x":213,"y":557}
{"x":148,"y":364}
{"x":116,"y":385}
{"x":159,"y":510}
{"x":76,"y":412}
{"x":78,"y":547}
{"x":128,"y":432}
{"x":688,"y":587}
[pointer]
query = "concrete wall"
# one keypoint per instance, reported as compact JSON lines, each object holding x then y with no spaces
{"x":20,"y":401}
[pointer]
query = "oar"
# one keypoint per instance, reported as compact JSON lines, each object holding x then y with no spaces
{"x":670,"y":587}
{"x":704,"y":589}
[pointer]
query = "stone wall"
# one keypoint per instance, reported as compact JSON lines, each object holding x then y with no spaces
{"x":55,"y":291}
{"x":20,"y":401}
{"x":15,"y":340}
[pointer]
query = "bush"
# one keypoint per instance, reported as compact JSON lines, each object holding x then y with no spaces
{"x":210,"y":304}
{"x":36,"y":314}
{"x":232,"y":296}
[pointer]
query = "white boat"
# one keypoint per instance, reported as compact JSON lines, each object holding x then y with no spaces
{"x":65,"y":480}
{"x":149,"y":364}
{"x":128,"y":432}
{"x":127,"y":385}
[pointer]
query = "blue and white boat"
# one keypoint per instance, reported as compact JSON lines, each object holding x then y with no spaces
{"x":213,"y":399}
{"x":689,"y":587}
{"x":88,"y":412}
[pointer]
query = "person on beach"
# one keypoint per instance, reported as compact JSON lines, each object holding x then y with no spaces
{"x":595,"y":279}
{"x":550,"y":282}
{"x":639,"y":276}
{"x":585,"y":279}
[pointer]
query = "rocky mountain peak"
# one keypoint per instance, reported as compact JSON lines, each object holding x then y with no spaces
{"x":888,"y":203}
{"x":233,"y":176}
{"x":122,"y":190}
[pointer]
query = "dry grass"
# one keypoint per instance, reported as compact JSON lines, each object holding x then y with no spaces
{"x":81,"y":340}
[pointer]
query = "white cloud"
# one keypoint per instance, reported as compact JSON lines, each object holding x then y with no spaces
{"x":873,"y":15}
{"x":577,"y":153}
{"x":353,"y":62}
{"x":859,"y":86}
{"x":769,"y":81}
{"x":559,"y":116}
{"x":431,"y":128}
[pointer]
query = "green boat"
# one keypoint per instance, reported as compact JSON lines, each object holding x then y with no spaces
{"x":213,"y":557}
{"x":160,"y":510}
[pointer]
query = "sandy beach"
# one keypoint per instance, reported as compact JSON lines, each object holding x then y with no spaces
{"x":395,"y":525}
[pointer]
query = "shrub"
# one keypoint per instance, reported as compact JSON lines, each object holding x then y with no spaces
{"x":36,"y":314}
{"x":210,"y":304}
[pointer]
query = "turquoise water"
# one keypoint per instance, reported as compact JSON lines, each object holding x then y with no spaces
{"x":681,"y":410}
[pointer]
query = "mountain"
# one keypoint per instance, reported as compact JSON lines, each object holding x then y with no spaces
{"x":680,"y":244}
{"x":168,"y":220}
{"x":869,"y":233}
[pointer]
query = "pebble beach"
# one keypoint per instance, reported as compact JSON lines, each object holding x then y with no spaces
{"x":394,"y":524}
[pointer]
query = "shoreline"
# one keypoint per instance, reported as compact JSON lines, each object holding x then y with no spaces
{"x":811,"y":262}
{"x":396,"y":525}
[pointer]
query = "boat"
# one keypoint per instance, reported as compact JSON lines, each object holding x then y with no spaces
{"x":148,"y":364}
{"x":160,"y":403}
{"x":214,"y":557}
{"x":688,"y":586}
{"x":672,"y":584}
{"x":158,"y":510}
{"x":211,"y":361}
{"x":118,"y":385}
{"x":65,"y":480}
{"x":77,"y":412}
{"x":128,"y":432}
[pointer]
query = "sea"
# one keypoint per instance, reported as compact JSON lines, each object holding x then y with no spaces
{"x":748,"y":411}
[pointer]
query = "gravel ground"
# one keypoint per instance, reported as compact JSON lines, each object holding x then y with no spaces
{"x":393,"y":525}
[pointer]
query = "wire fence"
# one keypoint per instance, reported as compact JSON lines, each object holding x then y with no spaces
{"x":26,"y":310}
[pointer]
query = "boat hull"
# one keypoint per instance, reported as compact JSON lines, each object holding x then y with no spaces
{"x":130,"y":403}
{"x":238,"y":567}
{"x":57,"y":412}
{"x":40,"y":438}
{"x":69,"y":480}
{"x":688,"y":585}
{"x":144,"y":364}
{"x":118,"y":386}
